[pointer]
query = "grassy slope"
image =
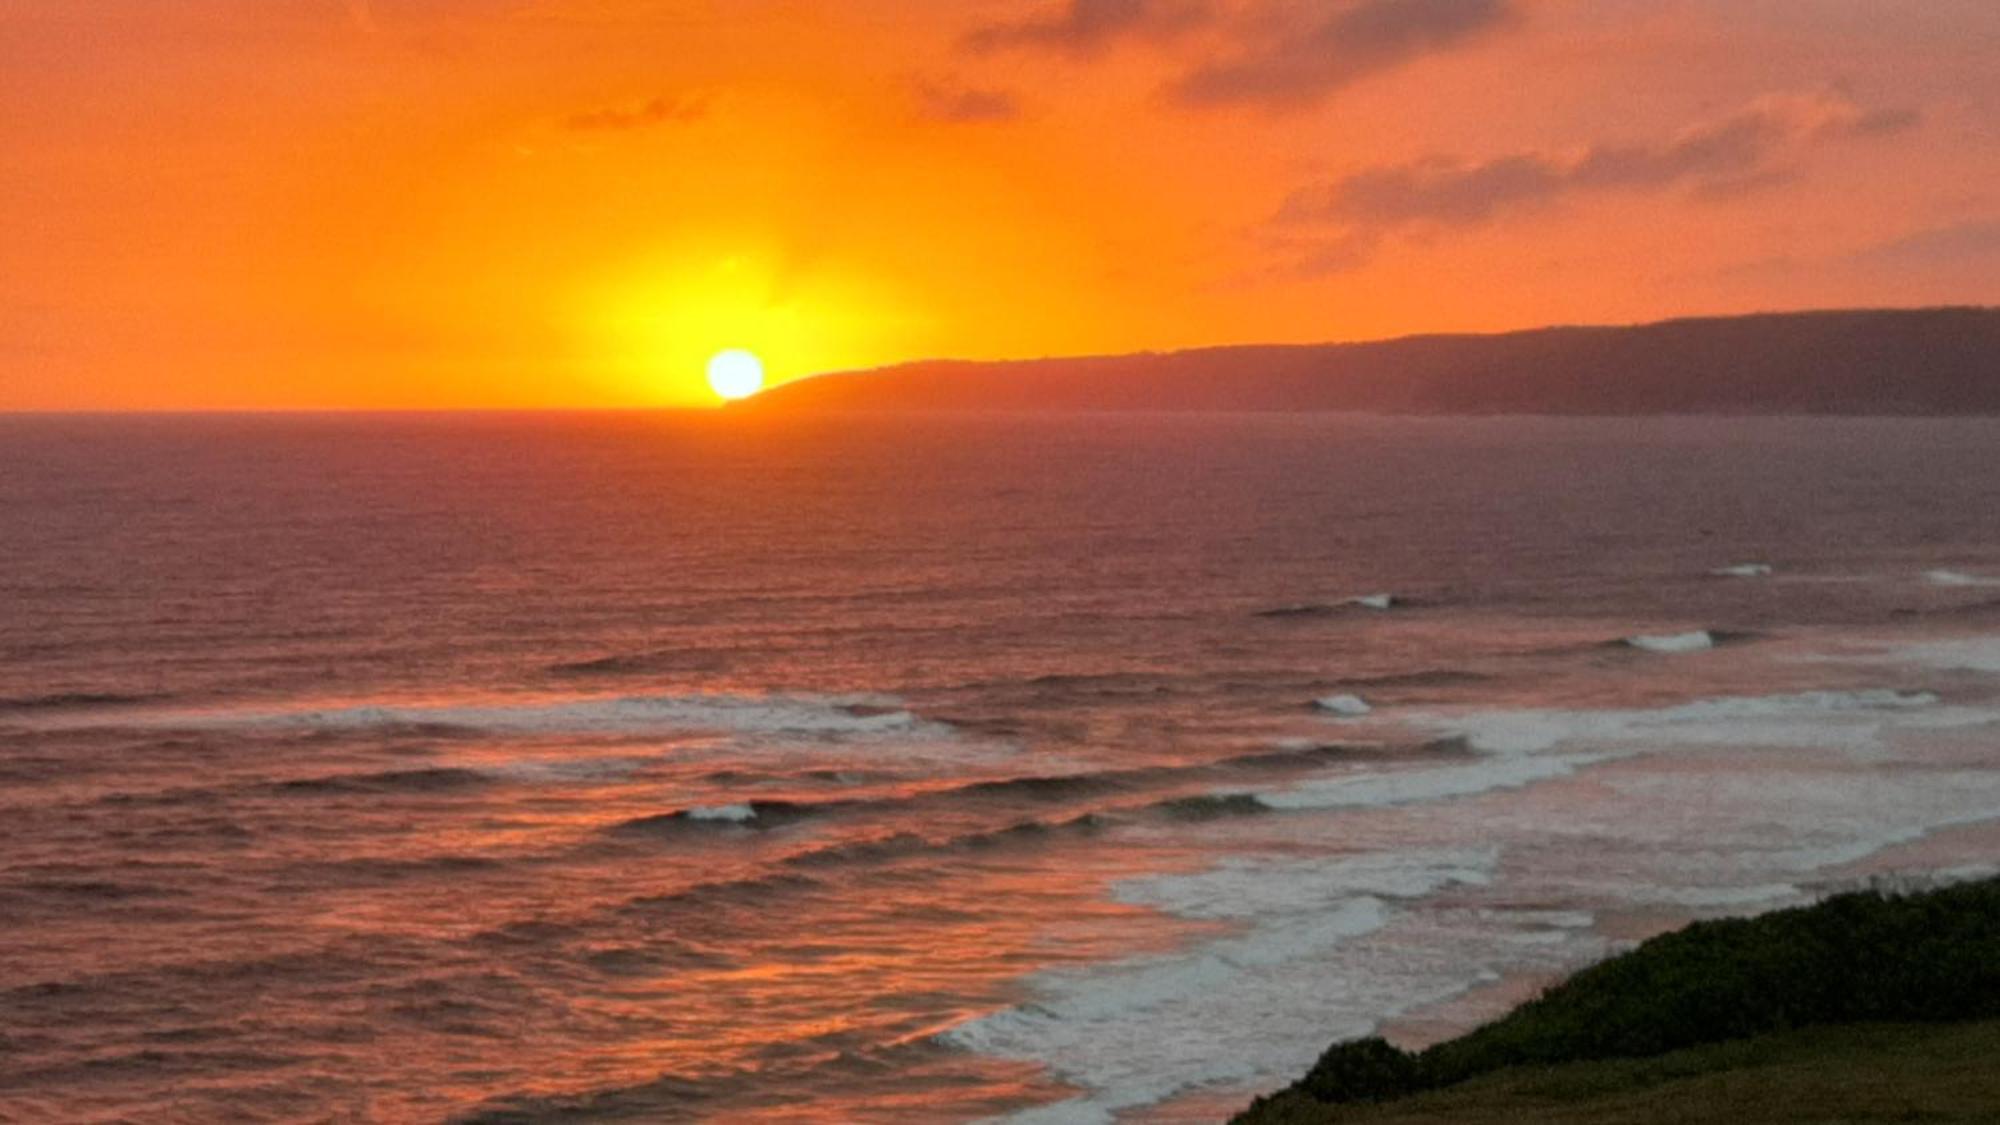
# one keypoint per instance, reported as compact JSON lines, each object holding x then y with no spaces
{"x":1927,"y":957}
{"x":1857,"y":1073}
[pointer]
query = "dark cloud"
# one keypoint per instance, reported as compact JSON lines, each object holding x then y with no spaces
{"x":1748,"y":148}
{"x":964,"y":105}
{"x":1298,"y":54}
{"x":657,"y":111}
{"x":1083,"y":27}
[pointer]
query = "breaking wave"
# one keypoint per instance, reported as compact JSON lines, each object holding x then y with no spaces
{"x":1699,"y":640}
{"x":1365,"y":602}
{"x":1673,"y":642}
{"x":1045,"y":789}
{"x":1346,"y":705}
{"x":435,"y":780}
{"x":1212,"y":806}
{"x":745,"y":814}
{"x":72,"y":701}
{"x":1958,"y":578}
{"x":696,"y":712}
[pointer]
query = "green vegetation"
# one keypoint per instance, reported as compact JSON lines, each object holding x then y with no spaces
{"x":1933,"y":1073}
{"x":1872,"y":957}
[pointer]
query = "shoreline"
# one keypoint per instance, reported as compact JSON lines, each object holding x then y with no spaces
{"x":1728,"y":989}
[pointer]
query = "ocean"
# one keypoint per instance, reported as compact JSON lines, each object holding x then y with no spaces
{"x":1038,"y":768}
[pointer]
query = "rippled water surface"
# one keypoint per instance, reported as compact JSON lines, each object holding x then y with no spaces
{"x":931,"y":769}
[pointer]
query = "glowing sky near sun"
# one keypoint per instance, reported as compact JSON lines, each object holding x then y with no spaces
{"x":440,"y":203}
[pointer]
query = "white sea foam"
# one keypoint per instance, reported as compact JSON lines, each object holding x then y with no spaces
{"x":1708,"y":898}
{"x":1964,"y":873}
{"x":1547,"y":919}
{"x":1414,"y":786}
{"x":1368,"y":938}
{"x":1252,"y":888}
{"x":1975,"y":654}
{"x":1348,"y":706}
{"x":1983,"y":787}
{"x":1958,"y":578}
{"x":1521,"y":742}
{"x":1712,"y":837}
{"x":1758,"y":720}
{"x":1742,"y":570}
{"x":1365,"y":937}
{"x":737,"y":813}
{"x":778,"y":715}
{"x":1674,"y":642}
{"x":1134,"y":1032}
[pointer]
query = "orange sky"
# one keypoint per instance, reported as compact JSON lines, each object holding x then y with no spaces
{"x":516,"y":203}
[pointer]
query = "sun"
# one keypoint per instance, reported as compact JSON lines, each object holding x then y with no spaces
{"x":736,"y":373}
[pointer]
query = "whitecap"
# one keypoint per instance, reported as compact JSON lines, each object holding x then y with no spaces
{"x":1696,"y":641}
{"x":1802,"y":718}
{"x":737,"y":813}
{"x":1347,"y":706}
{"x":1958,"y":578}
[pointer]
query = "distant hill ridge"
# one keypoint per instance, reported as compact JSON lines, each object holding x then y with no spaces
{"x":1880,"y":361}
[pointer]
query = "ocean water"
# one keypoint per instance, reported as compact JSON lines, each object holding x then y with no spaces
{"x":925,"y":769}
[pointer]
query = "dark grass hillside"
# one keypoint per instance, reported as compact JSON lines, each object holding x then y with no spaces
{"x":1939,"y":1074}
{"x":1871,"y":957}
{"x":1884,"y":361}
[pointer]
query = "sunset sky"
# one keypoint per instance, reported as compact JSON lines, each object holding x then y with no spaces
{"x":524,"y":203}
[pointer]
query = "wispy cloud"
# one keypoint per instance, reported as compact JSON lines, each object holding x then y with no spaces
{"x":1966,"y":243}
{"x":1297,"y":55}
{"x":662,"y":110}
{"x":1083,"y":27}
{"x":964,"y":105}
{"x":1745,"y":148}
{"x":1951,"y":262}
{"x":1270,"y":54}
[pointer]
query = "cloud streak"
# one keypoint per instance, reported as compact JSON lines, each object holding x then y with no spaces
{"x":1305,"y":53}
{"x":656,"y":111}
{"x":1745,"y":148}
{"x":1084,"y":27}
{"x":1277,"y":55}
{"x":964,"y":105}
{"x":1974,"y":242}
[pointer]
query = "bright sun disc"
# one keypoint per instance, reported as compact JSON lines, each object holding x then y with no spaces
{"x":736,"y":373}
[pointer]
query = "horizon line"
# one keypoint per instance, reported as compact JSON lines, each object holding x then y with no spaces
{"x":720,"y":407}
